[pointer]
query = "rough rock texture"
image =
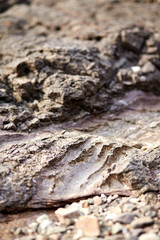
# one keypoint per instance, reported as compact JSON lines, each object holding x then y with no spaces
{"x":54,"y":166}
{"x":79,"y":106}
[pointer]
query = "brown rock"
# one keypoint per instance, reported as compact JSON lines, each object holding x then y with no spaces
{"x":67,"y":213}
{"x":89,"y":226}
{"x":97,"y":200}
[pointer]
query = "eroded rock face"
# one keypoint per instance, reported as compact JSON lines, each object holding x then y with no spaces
{"x":48,"y":168}
{"x":57,"y":77}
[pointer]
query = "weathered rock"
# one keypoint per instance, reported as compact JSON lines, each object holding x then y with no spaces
{"x":133,"y":39}
{"x":111,"y":56}
{"x":36,"y":175}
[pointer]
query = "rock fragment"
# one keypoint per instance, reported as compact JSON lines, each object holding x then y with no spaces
{"x":142,"y":222}
{"x":67,"y":213}
{"x":116,"y":228}
{"x":149,"y":236}
{"x":89,"y":226}
{"x":97,"y":200}
{"x":125,"y":218}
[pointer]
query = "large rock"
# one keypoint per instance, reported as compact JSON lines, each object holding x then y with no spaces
{"x":59,"y":70}
{"x":47,"y":168}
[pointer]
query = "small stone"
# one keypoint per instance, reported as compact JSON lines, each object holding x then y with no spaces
{"x":132,"y":40}
{"x":41,"y":237}
{"x":116,"y":228}
{"x":142,"y":222}
{"x":55,"y":229}
{"x":85,"y":204}
{"x":109,"y":200}
{"x":41,"y":218}
{"x":10,"y":126}
{"x":89,"y":226}
{"x":97,"y":200}
{"x":85,"y":211}
{"x":90,"y":201}
{"x":78,"y":235}
{"x":149,"y":236}
{"x":151,"y":214}
{"x":16,"y":230}
{"x":34,"y":123}
{"x":125,"y":218}
{"x":148,"y":68}
{"x":33,"y":227}
{"x":114,"y":197}
{"x":24,"y":115}
{"x":136,"y":68}
{"x":54,"y":237}
{"x":110,"y":216}
{"x":152,"y":50}
{"x":44,"y":226}
{"x":30,"y":237}
{"x":104,"y":198}
{"x":129,"y":207}
{"x":136,"y":232}
{"x":64,"y":213}
{"x":134,"y":200}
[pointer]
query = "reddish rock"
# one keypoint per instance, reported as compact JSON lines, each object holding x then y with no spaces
{"x":97,"y":200}
{"x":89,"y":226}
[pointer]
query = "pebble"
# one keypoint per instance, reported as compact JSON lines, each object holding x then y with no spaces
{"x":89,"y":225}
{"x":110,"y":216}
{"x":31,"y":237}
{"x":104,"y":198}
{"x":128,"y":218}
{"x":109,"y":200}
{"x":85,"y":204}
{"x":142,"y":222}
{"x":55,"y":229}
{"x":33,"y":226}
{"x":90,"y":201}
{"x":97,"y":200}
{"x":148,"y":68}
{"x":136,"y":68}
{"x":149,"y":236}
{"x":129,"y":207}
{"x":125,"y":218}
{"x":41,"y":237}
{"x":44,"y":226}
{"x":116,"y":228}
{"x":43,"y":217}
{"x":64,"y":213}
{"x":54,"y":237}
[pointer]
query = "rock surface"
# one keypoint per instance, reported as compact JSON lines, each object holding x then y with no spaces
{"x":79,"y":118}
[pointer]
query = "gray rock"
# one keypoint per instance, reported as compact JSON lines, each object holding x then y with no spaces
{"x":125,"y":218}
{"x":142,"y":222}
{"x":133,"y":39}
